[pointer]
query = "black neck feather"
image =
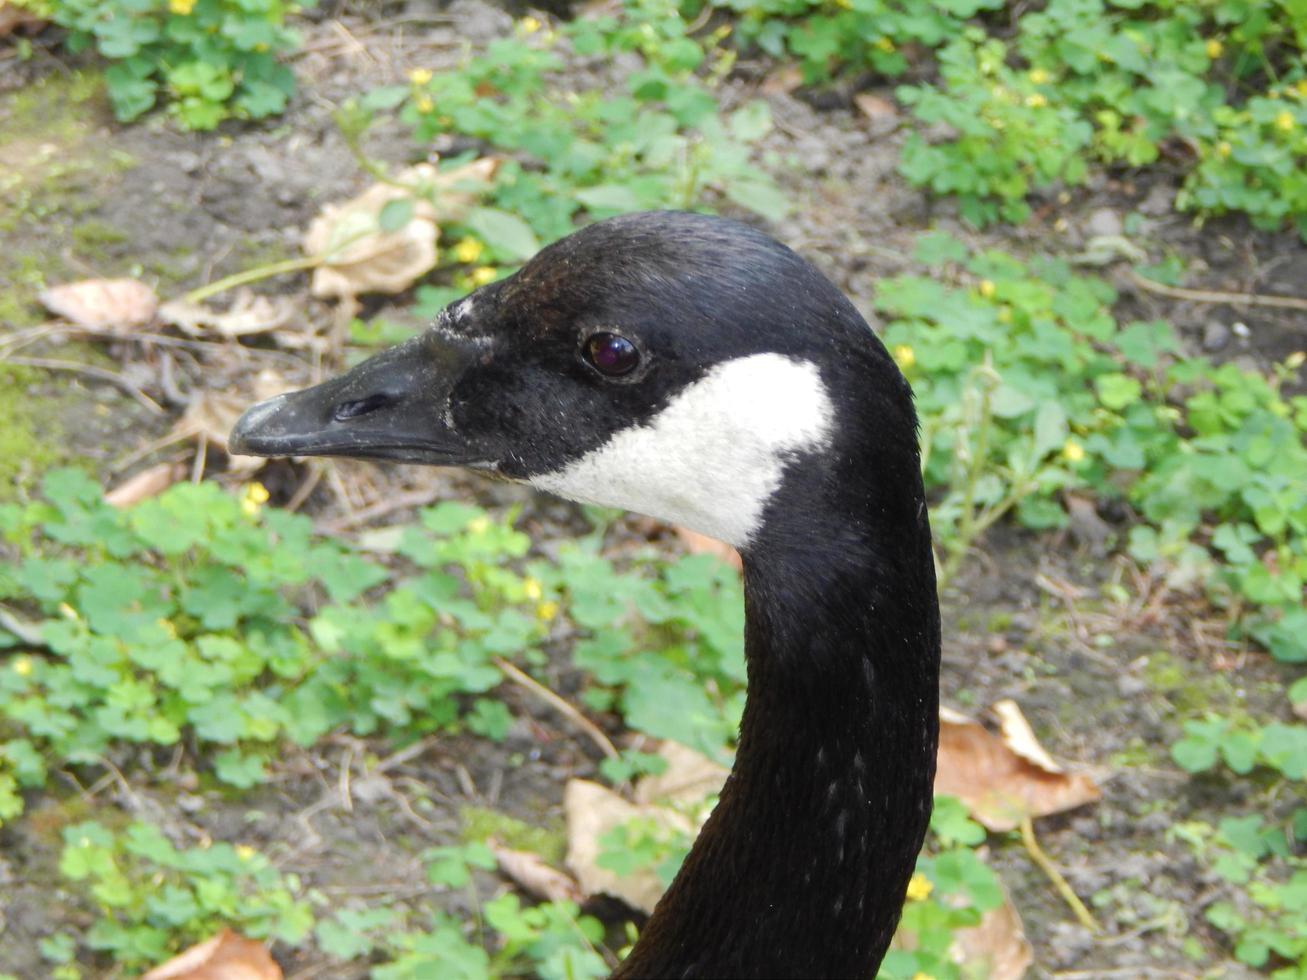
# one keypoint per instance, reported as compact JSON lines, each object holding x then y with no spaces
{"x":802,"y":868}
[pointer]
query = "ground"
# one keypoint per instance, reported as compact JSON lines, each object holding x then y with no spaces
{"x":1100,"y":678}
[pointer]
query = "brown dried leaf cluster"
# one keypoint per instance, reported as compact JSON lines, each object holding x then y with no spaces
{"x":226,"y":956}
{"x":593,"y":810}
{"x":112,"y":306}
{"x":1004,"y":778}
{"x":357,"y":254}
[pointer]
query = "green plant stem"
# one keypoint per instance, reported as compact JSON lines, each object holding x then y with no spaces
{"x":256,"y":274}
{"x":1045,"y":864}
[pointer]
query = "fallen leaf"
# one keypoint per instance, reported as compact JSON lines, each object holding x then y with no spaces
{"x":701,"y":544}
{"x":249,"y":313}
{"x":213,"y":412}
{"x":996,"y":947}
{"x":689,"y":778}
{"x":150,"y":482}
{"x":593,"y":810}
{"x":111,"y":305}
{"x":535,"y":875}
{"x":384,"y":239}
{"x":226,"y":956}
{"x":1003,"y":779}
{"x":782,"y":81}
{"x":875,"y":108}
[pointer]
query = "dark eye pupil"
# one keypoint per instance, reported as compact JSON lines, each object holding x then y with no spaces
{"x":611,"y":354}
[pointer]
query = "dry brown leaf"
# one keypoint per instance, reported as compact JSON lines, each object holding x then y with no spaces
{"x":995,"y":947}
{"x":111,"y":305}
{"x":150,"y":482}
{"x":701,"y":544}
{"x":997,"y":944}
{"x":249,"y":313}
{"x":782,"y":81}
{"x":359,"y":256}
{"x":213,"y":412}
{"x":1002,"y":780}
{"x":593,"y":810}
{"x":876,"y":108}
{"x":535,"y":875}
{"x":688,"y":779}
{"x":226,"y":956}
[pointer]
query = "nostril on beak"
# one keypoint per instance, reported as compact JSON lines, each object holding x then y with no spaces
{"x":361,"y":406}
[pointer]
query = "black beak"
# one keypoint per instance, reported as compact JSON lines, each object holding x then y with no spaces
{"x":394,"y":405}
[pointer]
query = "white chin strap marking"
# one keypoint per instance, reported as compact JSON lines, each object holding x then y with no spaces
{"x":712,"y":459}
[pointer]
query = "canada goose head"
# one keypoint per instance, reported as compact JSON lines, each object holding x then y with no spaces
{"x":695,"y":370}
{"x":668,"y":363}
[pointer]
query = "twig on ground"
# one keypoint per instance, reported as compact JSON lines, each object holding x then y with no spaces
{"x":559,"y":704}
{"x":405,"y":754}
{"x":365,"y":515}
{"x":1046,"y":865}
{"x":90,"y":371}
{"x":1216,"y":295}
{"x":306,"y":487}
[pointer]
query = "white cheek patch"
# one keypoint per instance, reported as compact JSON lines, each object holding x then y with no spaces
{"x":712,"y":459}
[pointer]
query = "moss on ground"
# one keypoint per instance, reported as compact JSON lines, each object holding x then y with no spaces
{"x":53,"y":173}
{"x":480,"y":823}
{"x":29,"y":437}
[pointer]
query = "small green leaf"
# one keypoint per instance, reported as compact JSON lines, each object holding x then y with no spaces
{"x":508,"y":235}
{"x":395,"y":214}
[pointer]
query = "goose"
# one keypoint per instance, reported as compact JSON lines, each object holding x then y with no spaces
{"x":693,"y":369}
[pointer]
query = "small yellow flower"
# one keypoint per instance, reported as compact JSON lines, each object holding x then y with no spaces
{"x":23,"y":666}
{"x":1223,"y":149}
{"x":547,"y":611}
{"x":922,"y":976}
{"x":532,"y":589}
{"x":885,"y":44}
{"x":478,"y":525}
{"x":483,"y":274}
{"x":420,"y":76}
{"x":1072,"y":451}
{"x":529,"y":25}
{"x":1039,"y":76}
{"x":1285,"y":121}
{"x":919,"y":888}
{"x":468,"y":250}
{"x":1302,"y":88}
{"x":1214,"y":48}
{"x":181,"y":7}
{"x":167,"y":626}
{"x":1036,"y":101}
{"x":424,"y":104}
{"x":1295,"y":360}
{"x":844,"y":4}
{"x":67,"y":611}
{"x":987,"y":288}
{"x":253,"y":499}
{"x":904,"y":356}
{"x":245,"y":852}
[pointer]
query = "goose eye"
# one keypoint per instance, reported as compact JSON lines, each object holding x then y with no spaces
{"x":611,"y":354}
